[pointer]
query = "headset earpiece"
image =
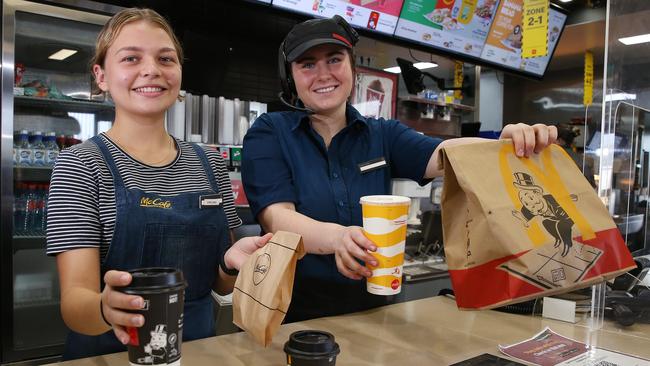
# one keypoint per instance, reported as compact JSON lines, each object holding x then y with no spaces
{"x":286,"y":81}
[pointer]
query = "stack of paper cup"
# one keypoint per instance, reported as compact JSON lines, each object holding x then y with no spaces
{"x":384,"y":223}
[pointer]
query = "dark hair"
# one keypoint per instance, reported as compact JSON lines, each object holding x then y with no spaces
{"x":567,"y":135}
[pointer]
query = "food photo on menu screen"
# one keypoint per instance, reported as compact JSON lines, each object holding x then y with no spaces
{"x":455,"y":25}
{"x":376,"y":15}
{"x":503,"y":45}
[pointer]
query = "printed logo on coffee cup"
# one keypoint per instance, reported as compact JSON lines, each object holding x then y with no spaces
{"x":262,"y":267}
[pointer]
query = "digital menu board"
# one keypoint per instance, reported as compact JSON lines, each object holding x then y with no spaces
{"x":376,"y":15}
{"x":503,"y":45}
{"x":457,"y":26}
{"x":481,"y":31}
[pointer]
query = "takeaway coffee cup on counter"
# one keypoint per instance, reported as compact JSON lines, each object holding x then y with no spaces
{"x":384,"y":223}
{"x":311,"y":348}
{"x":158,"y":341}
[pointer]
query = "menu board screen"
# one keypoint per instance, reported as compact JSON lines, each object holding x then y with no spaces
{"x":377,"y":15}
{"x":459,"y":26}
{"x":503,"y":45}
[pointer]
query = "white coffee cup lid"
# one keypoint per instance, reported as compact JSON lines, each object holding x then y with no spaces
{"x":385,"y":200}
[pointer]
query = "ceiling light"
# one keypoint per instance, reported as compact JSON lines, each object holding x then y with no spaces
{"x":62,"y":54}
{"x":394,"y":69}
{"x":566,"y":1}
{"x":425,"y":65}
{"x":419,"y":65}
{"x":643,"y":38}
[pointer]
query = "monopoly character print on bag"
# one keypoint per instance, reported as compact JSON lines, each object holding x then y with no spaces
{"x":533,"y":227}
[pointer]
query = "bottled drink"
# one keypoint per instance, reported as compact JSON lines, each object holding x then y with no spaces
{"x":36,"y":224}
{"x":20,"y":209}
{"x":70,"y":140}
{"x":38,"y":149}
{"x":30,"y":209}
{"x":24,"y":154}
{"x":51,"y":148}
{"x":44,"y":195}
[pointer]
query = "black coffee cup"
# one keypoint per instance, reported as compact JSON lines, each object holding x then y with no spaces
{"x":311,"y":348}
{"x":158,"y":341}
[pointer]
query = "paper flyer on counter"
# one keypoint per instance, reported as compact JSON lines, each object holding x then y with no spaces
{"x":548,"y":348}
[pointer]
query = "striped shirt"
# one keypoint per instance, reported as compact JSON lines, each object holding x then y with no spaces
{"x":81,"y":204}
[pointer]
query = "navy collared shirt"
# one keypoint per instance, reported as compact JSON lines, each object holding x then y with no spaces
{"x":285,"y":160}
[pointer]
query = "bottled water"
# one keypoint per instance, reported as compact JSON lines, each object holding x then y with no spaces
{"x":20,"y":209}
{"x":51,"y":148}
{"x":39,"y":150}
{"x":37,"y":216}
{"x":24,"y":153}
{"x":30,"y":209}
{"x":44,"y":195}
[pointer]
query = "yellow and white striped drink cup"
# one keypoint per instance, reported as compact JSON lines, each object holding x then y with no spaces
{"x":384,"y":223}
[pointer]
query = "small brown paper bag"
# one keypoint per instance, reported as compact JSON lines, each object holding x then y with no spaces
{"x":519,"y":228}
{"x":263,"y":288}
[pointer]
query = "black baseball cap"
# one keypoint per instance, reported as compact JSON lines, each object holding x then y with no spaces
{"x":314,"y":32}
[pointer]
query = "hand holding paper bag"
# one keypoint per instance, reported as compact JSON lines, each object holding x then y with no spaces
{"x":263,"y":288}
{"x":518,"y":228}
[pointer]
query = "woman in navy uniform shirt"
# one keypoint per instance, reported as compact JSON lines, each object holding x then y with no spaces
{"x":136,"y":197}
{"x":305,"y":170}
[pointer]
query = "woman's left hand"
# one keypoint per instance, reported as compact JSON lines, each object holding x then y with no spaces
{"x":529,"y":139}
{"x":239,"y":252}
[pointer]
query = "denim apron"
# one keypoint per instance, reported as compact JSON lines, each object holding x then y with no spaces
{"x":162,"y":231}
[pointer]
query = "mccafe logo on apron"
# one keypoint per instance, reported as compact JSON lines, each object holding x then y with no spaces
{"x":155,"y":203}
{"x":262,"y":267}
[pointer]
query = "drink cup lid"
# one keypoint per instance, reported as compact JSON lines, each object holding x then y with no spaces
{"x":154,"y":279}
{"x":385,"y":200}
{"x":311,"y":343}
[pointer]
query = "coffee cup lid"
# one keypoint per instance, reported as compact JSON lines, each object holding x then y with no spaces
{"x":311,"y":343}
{"x":155,"y":279}
{"x":385,"y":200}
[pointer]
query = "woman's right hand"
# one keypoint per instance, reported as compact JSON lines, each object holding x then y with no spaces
{"x":116,"y":305}
{"x":349,"y":246}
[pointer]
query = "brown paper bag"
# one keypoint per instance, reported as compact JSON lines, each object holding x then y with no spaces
{"x":263,"y":288}
{"x":520,"y":228}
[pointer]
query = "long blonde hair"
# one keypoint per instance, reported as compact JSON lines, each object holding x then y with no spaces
{"x":112,"y":28}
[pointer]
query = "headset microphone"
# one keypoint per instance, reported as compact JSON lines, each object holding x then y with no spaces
{"x":294,"y":107}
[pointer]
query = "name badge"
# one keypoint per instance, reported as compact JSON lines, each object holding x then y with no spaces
{"x":210,"y":201}
{"x":371,"y":165}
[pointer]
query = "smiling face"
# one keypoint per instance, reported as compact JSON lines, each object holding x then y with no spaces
{"x":141,"y":70}
{"x":323,"y":78}
{"x":533,"y":200}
